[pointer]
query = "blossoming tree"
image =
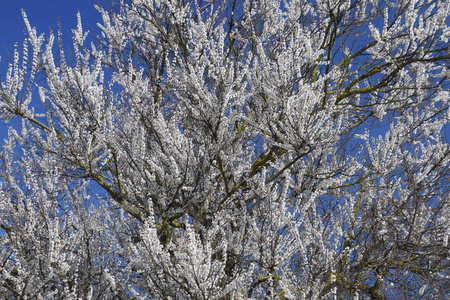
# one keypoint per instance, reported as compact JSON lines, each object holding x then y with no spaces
{"x":230,"y":150}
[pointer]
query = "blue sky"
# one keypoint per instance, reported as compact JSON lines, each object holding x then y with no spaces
{"x":42,"y":14}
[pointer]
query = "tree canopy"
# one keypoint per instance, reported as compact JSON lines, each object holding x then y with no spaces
{"x":235,"y":149}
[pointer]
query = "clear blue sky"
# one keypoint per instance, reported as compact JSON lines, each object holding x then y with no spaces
{"x":43,"y":14}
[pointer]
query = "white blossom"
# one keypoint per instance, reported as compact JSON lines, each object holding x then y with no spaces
{"x":230,"y":150}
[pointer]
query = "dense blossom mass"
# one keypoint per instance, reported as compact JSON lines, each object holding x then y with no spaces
{"x":236,"y":149}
